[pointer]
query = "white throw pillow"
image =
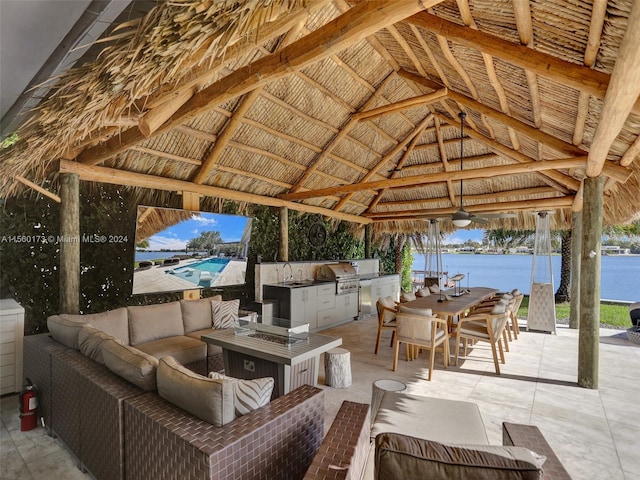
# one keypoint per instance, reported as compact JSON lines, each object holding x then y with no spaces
{"x":225,"y":314}
{"x":248,"y":395}
{"x":499,"y":308}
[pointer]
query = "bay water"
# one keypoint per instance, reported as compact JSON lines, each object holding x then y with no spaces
{"x":620,"y":274}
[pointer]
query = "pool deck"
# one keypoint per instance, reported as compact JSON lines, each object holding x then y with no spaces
{"x":155,"y":279}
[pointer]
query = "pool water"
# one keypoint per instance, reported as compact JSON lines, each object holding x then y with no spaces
{"x":201,"y":273}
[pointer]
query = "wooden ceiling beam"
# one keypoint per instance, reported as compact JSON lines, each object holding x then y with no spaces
{"x":402,"y":105}
{"x":472,"y":173}
{"x":120,"y":177}
{"x":356,"y":24}
{"x":623,"y":92}
{"x":530,"y":204}
{"x":561,"y":71}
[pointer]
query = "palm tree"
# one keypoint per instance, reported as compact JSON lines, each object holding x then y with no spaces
{"x":563,"y":294}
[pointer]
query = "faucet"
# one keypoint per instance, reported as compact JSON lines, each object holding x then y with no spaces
{"x":300,"y":274}
{"x":284,"y":278}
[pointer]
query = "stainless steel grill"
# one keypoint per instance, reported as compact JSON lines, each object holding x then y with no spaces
{"x":344,"y":274}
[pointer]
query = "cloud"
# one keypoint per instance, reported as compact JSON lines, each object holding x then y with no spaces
{"x":451,"y":240}
{"x":204,"y":220}
{"x":158,"y":242}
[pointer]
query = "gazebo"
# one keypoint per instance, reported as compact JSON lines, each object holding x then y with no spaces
{"x":349,"y":109}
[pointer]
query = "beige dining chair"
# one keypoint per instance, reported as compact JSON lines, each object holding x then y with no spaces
{"x":386,"y":308}
{"x":421,"y":332}
{"x":483,"y":327}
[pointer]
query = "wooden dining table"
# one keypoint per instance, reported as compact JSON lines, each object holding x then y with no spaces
{"x":456,"y":306}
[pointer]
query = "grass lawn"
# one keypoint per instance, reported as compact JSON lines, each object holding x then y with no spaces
{"x":612,"y":315}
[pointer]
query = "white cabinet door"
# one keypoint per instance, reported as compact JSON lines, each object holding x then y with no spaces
{"x":304,"y":305}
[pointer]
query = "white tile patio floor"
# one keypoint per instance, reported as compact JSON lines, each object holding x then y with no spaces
{"x":595,"y":433}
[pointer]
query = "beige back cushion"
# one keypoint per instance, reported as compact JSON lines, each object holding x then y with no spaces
{"x":196,"y":314}
{"x":65,"y":327}
{"x":153,"y":322}
{"x":90,"y":341}
{"x":423,"y":292}
{"x":407,"y":297}
{"x":425,"y":312}
{"x":409,"y":458}
{"x":131,"y":364}
{"x":434,"y":288}
{"x":208,"y":399}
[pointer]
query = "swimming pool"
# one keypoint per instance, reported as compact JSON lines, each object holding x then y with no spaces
{"x":201,"y":273}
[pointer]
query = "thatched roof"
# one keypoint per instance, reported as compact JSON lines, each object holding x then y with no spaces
{"x":350,"y":108}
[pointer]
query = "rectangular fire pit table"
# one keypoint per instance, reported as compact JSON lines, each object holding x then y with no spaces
{"x":259,"y":354}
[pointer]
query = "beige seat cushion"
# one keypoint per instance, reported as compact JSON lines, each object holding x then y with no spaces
{"x":153,"y":322}
{"x":404,"y":457}
{"x":131,"y":364}
{"x":196,"y":314}
{"x":448,"y":421}
{"x":183,"y":349}
{"x":209,"y":399}
{"x":211,"y":348}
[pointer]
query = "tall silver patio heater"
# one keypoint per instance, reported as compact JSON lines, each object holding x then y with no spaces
{"x":433,"y":256}
{"x":542,"y":311}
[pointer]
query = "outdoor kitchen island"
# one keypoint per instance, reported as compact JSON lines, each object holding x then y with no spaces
{"x":290,"y":355}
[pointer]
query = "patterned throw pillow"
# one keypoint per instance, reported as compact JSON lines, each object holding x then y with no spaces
{"x":248,"y":394}
{"x":225,"y":314}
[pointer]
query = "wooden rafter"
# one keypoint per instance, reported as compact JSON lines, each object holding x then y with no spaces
{"x":467,"y":18}
{"x":488,"y":172}
{"x":357,"y":23}
{"x":521,"y":127}
{"x":403,"y":160}
{"x":238,"y":116}
{"x":444,"y":160}
{"x":623,"y":92}
{"x":338,"y":138}
{"x":386,"y":158}
{"x":561,"y":71}
{"x":120,"y":177}
{"x":598,"y":13}
{"x":522,"y":12}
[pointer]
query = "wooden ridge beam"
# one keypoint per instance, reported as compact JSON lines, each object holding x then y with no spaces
{"x":120,"y":177}
{"x":472,"y":173}
{"x":561,"y":71}
{"x":354,"y":25}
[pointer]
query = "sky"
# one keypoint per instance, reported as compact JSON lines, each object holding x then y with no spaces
{"x":176,"y":237}
{"x":462,"y":235}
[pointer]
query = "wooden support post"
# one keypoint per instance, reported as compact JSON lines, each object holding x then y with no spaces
{"x":576,"y":249}
{"x":191,"y":201}
{"x":367,"y":241}
{"x":588,"y":343}
{"x":283,"y":251}
{"x":69,"y":243}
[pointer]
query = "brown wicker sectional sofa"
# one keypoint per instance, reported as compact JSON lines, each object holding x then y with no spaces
{"x":117,"y":430}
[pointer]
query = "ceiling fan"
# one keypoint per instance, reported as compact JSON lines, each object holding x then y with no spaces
{"x":462,"y":218}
